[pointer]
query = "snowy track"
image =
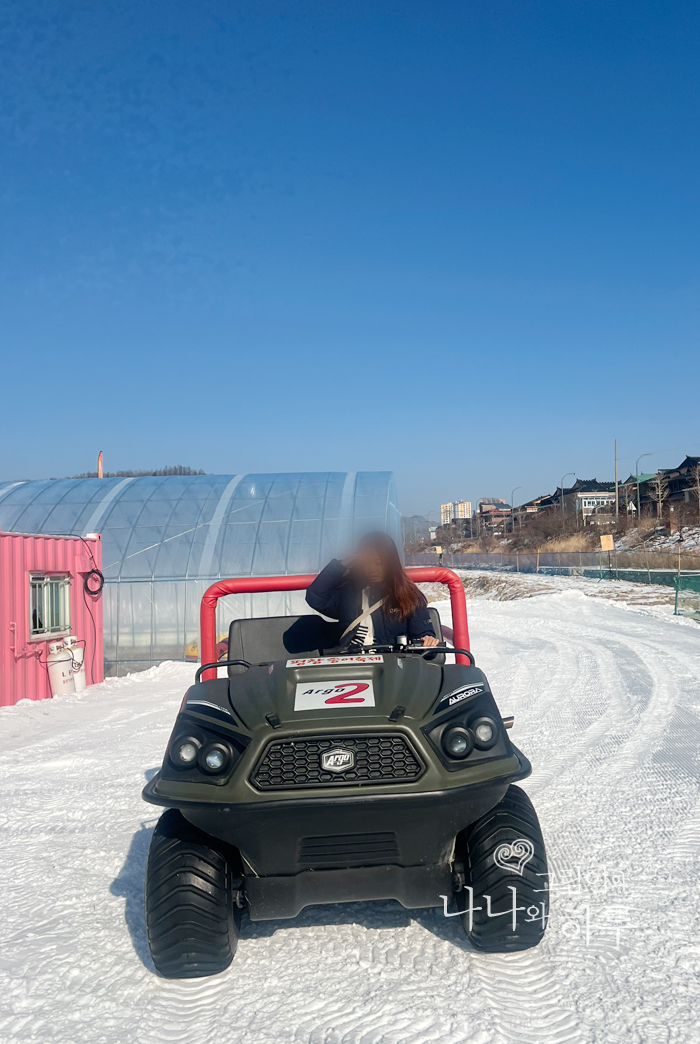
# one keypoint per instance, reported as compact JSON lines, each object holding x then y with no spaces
{"x":607,"y":705}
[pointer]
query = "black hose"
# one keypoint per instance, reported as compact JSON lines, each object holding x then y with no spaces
{"x":94,"y":592}
{"x":97,"y":588}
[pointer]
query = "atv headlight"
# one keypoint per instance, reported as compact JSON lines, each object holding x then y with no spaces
{"x":184,"y":751}
{"x":215,"y":758}
{"x":457,"y":742}
{"x":485,"y":733}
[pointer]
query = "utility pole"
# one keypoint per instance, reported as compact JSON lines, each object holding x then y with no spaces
{"x":512,"y":508}
{"x":617,"y":488}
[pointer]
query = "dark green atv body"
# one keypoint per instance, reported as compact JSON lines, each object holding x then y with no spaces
{"x":321,"y":779}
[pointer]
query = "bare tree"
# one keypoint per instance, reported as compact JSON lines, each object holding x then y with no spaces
{"x":695,"y":480}
{"x":658,"y":491}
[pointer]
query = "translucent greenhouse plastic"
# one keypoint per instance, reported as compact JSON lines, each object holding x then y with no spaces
{"x":166,"y":538}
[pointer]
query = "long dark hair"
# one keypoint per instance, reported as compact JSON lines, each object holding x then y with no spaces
{"x":400,"y":594}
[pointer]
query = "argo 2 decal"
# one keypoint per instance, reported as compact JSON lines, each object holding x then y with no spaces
{"x":457,"y":696}
{"x":356,"y":693}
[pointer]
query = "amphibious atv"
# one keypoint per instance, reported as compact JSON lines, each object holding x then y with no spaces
{"x":309,"y":777}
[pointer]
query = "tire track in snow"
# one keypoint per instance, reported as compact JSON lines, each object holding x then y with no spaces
{"x":636,"y":726}
{"x":333,"y":983}
{"x":649,"y":725}
{"x":594,"y":693}
{"x":632,"y":681}
{"x":525,"y":1000}
{"x":523,"y":994}
{"x":686,"y":844}
{"x":606,"y":706}
{"x":178,"y":1010}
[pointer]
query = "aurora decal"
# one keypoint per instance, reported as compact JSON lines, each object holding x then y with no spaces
{"x":458,"y":695}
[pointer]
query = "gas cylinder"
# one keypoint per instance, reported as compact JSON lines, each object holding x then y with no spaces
{"x":60,"y":665}
{"x":78,"y":653}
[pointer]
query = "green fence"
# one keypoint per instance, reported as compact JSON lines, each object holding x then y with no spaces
{"x":640,"y":567}
{"x":688,"y":595}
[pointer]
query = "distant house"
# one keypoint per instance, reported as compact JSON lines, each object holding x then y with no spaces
{"x":531,"y":507}
{"x":682,"y":486}
{"x":589,"y":500}
{"x":682,"y":481}
{"x":494,"y":515}
{"x":628,"y":491}
{"x":593,"y":501}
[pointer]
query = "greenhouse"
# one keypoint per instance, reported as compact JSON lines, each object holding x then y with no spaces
{"x":166,"y":538}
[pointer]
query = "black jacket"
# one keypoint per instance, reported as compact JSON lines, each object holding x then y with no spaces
{"x":334,"y":594}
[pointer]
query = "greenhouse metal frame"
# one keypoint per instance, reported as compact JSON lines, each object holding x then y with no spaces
{"x":165,"y":539}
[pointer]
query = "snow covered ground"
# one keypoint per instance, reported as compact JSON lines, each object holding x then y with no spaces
{"x":636,"y":541}
{"x":606,"y":696}
{"x":506,"y":587}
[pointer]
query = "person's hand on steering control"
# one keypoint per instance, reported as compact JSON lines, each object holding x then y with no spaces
{"x":429,"y":641}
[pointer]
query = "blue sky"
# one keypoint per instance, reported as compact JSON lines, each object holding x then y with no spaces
{"x":454,"y":240}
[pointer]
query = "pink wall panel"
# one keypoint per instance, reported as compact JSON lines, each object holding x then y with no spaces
{"x":22,"y":671}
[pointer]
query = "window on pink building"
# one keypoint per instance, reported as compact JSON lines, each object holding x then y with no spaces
{"x":49,"y":607}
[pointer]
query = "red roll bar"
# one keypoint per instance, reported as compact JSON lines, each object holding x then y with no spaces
{"x":254,"y":584}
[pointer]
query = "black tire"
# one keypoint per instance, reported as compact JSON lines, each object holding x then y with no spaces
{"x":512,"y":819}
{"x":192,"y":930}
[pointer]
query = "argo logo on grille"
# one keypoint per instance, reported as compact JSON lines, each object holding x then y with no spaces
{"x":356,"y":693}
{"x":335,"y":761}
{"x":338,"y":760}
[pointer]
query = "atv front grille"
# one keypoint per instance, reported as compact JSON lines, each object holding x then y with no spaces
{"x":348,"y":850}
{"x":289,"y":764}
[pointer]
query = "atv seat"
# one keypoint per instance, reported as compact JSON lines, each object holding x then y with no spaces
{"x":267,"y":638}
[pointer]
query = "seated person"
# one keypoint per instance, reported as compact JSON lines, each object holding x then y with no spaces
{"x":372,"y":597}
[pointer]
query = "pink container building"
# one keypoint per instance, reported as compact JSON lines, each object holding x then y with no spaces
{"x":43,"y":598}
